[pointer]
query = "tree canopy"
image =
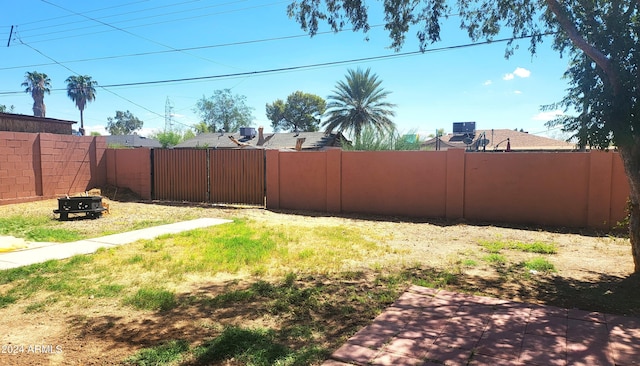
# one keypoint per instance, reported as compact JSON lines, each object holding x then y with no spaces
{"x":37,"y":84}
{"x":81,"y":89}
{"x":124,"y":123}
{"x":357,"y":102}
{"x":224,"y":110}
{"x":301,"y":112}
{"x":4,"y":108}
{"x":171,"y":137}
{"x":601,"y":37}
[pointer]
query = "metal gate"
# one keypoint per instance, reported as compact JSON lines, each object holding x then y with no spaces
{"x":208,"y":175}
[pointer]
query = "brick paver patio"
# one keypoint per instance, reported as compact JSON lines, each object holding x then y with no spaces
{"x":433,"y":327}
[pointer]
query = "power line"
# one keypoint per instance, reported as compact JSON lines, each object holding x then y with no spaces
{"x":196,"y":48}
{"x":308,"y":66}
{"x":148,"y":24}
{"x":132,"y":34}
{"x":101,"y":87}
{"x":40,"y":21}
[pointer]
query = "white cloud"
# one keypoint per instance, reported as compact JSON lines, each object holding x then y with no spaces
{"x":517,"y":92}
{"x":548,"y":115}
{"x":519,"y":72}
{"x":147,"y":132}
{"x":522,"y":72}
{"x":488,"y":82}
{"x":97,"y":128}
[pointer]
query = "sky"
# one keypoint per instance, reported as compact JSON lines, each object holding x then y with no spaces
{"x":254,"y":49}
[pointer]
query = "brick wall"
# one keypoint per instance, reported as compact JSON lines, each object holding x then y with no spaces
{"x":130,"y":168}
{"x":557,"y":189}
{"x":41,"y":166}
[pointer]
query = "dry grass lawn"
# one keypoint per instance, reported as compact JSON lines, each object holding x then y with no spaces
{"x":351,"y":267}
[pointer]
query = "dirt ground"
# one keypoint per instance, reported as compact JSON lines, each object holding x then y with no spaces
{"x":106,"y":332}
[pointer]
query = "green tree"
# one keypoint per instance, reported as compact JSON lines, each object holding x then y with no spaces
{"x":201,"y":127}
{"x":301,"y":112}
{"x":582,"y":97}
{"x":607,"y":32}
{"x":172,"y":137}
{"x":224,"y":110}
{"x":81,"y":90}
{"x":372,"y":139}
{"x":4,"y":109}
{"x":124,"y":123}
{"x":37,"y":84}
{"x":359,"y":102}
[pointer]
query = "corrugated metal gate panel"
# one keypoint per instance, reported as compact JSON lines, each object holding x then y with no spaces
{"x":180,"y":175}
{"x":237,"y":176}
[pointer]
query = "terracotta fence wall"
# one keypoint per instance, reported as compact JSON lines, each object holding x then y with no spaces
{"x":38,"y":166}
{"x":557,"y":189}
{"x":130,"y":168}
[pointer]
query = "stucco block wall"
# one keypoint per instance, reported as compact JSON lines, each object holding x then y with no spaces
{"x":39,"y":166}
{"x":130,"y":168}
{"x":558,"y":189}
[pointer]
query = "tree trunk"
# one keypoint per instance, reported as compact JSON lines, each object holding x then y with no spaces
{"x":631,"y":160}
{"x":81,"y":123}
{"x":38,"y":106}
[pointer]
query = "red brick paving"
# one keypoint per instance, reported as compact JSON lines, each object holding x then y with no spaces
{"x":429,"y":327}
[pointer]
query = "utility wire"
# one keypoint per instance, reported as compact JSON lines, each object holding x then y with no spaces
{"x":99,"y":86}
{"x":155,"y":8}
{"x":308,"y":66}
{"x":134,"y":35}
{"x":40,"y":21}
{"x":196,"y":48}
{"x":79,"y":28}
{"x":147,"y":24}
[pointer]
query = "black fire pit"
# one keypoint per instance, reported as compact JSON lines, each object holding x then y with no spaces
{"x":91,"y":206}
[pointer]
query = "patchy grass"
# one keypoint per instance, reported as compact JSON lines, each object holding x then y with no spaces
{"x":237,"y":247}
{"x":6,"y":300}
{"x":253,"y":293}
{"x":36,"y":228}
{"x":495,"y":258}
{"x":255,"y":346}
{"x":469,"y":263}
{"x":162,"y":354}
{"x":152,"y":299}
{"x":497,"y":246}
{"x":539,"y":264}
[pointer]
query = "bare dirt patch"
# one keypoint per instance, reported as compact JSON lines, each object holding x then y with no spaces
{"x":103,"y":332}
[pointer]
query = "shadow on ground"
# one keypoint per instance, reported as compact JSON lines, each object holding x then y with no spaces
{"x":305,"y":318}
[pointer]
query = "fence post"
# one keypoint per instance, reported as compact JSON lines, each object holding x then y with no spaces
{"x":455,"y":184}
{"x":599,"y":190}
{"x":334,"y":180}
{"x":273,"y":179}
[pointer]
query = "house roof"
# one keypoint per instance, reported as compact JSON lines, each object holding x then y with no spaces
{"x":36,"y":119}
{"x":497,"y":141}
{"x":132,"y":141}
{"x":285,"y":140}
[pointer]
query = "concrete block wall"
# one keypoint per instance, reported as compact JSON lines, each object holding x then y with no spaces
{"x":130,"y":168}
{"x":43,"y":165}
{"x":557,"y":189}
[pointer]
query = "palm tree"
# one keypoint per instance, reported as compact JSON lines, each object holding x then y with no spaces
{"x":357,"y":103}
{"x":37,"y":84}
{"x":81,"y":89}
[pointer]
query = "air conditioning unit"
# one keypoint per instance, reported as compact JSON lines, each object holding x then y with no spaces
{"x":248,"y":132}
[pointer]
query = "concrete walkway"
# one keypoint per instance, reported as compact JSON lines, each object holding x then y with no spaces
{"x":432,"y":327}
{"x":50,"y":251}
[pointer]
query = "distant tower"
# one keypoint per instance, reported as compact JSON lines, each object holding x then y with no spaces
{"x":168,"y":115}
